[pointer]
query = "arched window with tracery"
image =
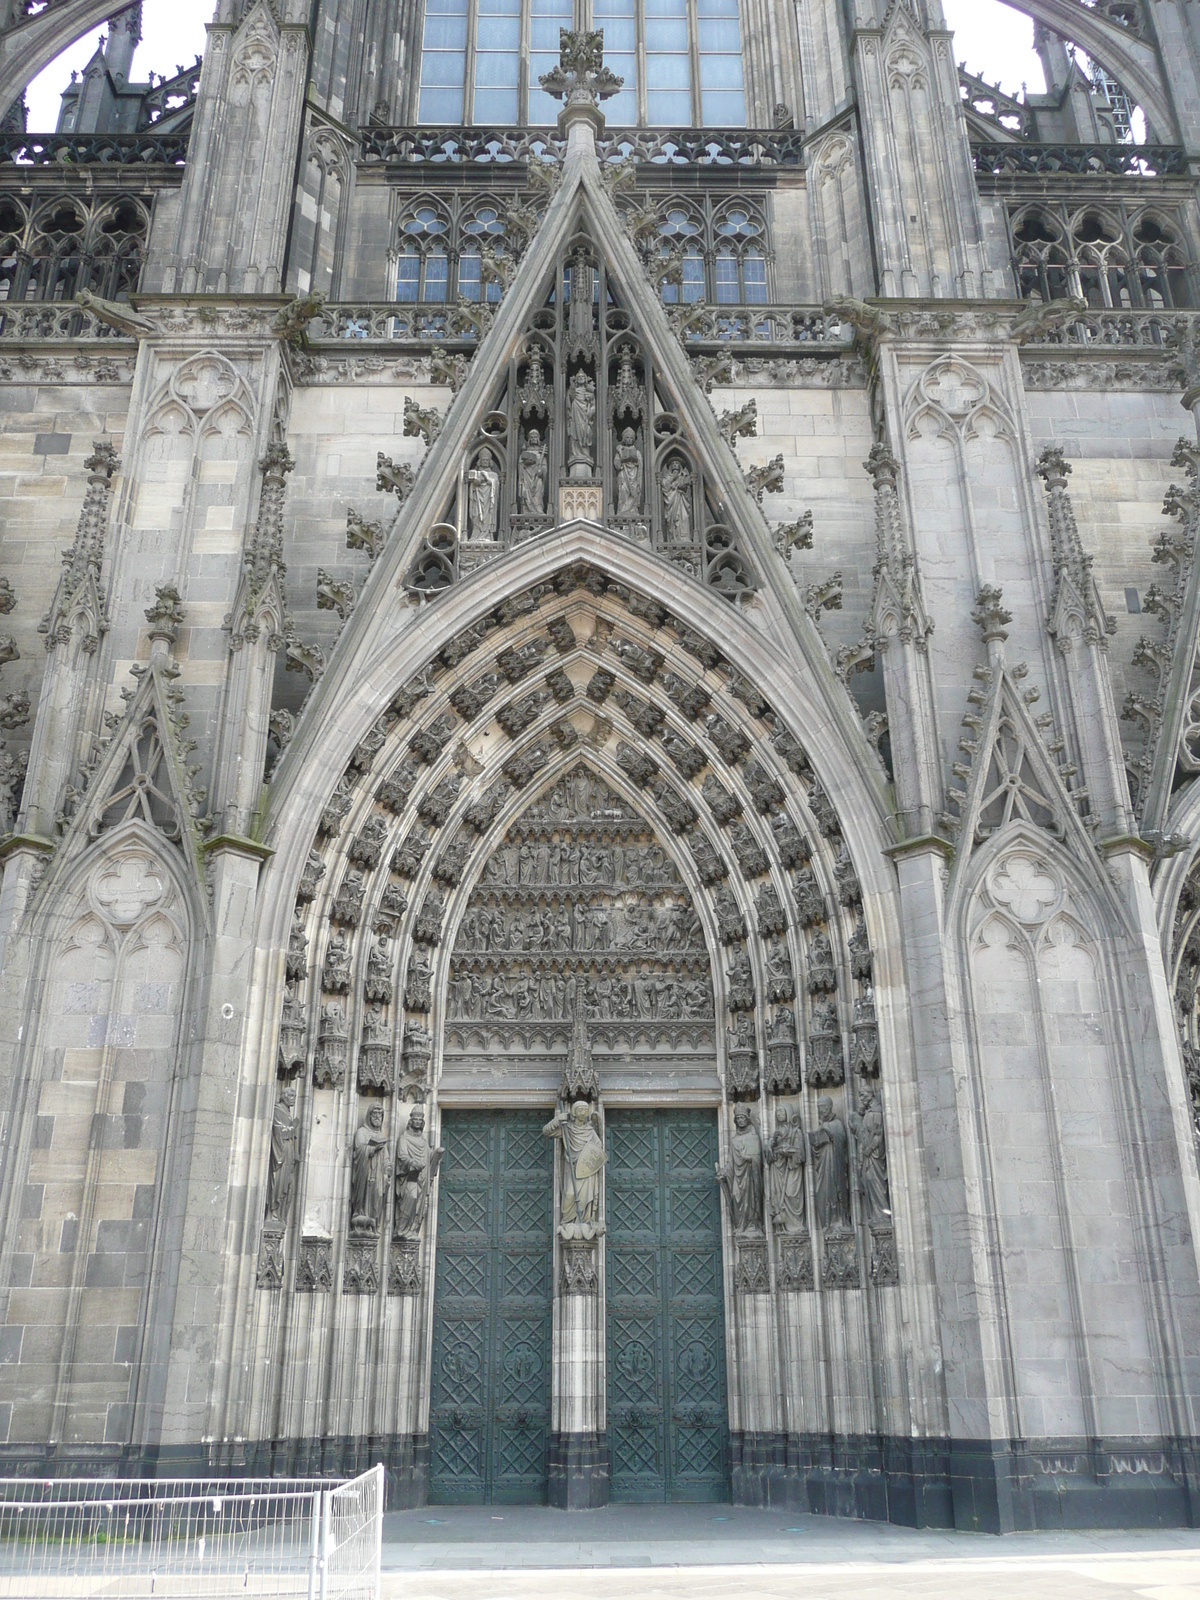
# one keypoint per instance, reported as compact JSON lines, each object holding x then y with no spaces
{"x":449,"y":247}
{"x":422,"y":270}
{"x":714,"y":251}
{"x":1114,"y":257}
{"x":740,"y":263}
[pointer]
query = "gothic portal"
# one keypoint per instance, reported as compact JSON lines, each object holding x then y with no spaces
{"x":599,"y":824}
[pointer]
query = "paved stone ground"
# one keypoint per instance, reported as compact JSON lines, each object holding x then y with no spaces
{"x":679,"y":1552}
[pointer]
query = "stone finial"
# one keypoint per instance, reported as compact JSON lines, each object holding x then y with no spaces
{"x":165,"y":615}
{"x":581,"y":78}
{"x":989,"y":614}
{"x":1053,"y":468}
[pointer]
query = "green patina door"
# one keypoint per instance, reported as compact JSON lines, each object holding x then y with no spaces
{"x":490,"y":1400}
{"x":667,"y":1419}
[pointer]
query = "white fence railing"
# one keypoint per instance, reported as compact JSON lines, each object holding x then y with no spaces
{"x":191,"y":1538}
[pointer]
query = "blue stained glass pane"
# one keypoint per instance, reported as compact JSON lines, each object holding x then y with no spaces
{"x":621,"y":110}
{"x":440,"y":105}
{"x":620,"y":33}
{"x":497,"y":69}
{"x":542,"y":109}
{"x":551,"y":8}
{"x":407,"y":273}
{"x":443,"y":69}
{"x":722,"y":110}
{"x":469,"y":277}
{"x":668,"y":109}
{"x":718,"y":34}
{"x":666,"y":33}
{"x":435,"y":278}
{"x":543,"y":33}
{"x":720,"y":72}
{"x":496,"y":105}
{"x":727,"y":280}
{"x":754,"y":276}
{"x":693,"y":278}
{"x":666,"y":8}
{"x":445,"y":8}
{"x":667,"y":72}
{"x":716,"y":8}
{"x":445,"y":33}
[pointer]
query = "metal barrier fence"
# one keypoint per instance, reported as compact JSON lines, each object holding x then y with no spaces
{"x":191,"y":1538}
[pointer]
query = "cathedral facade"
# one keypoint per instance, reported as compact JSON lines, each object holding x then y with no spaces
{"x":598,"y":805}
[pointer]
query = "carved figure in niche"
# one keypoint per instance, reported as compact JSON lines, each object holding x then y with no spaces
{"x":366,"y":1164}
{"x":787,"y":1155}
{"x":531,"y":476}
{"x":281,"y":1176}
{"x":675,"y":482}
{"x":582,"y":1137}
{"x":416,"y":1168}
{"x":483,"y":497}
{"x":831,"y":1167}
{"x":741,"y":1178}
{"x":871,"y":1150}
{"x":581,"y":419}
{"x":628,"y":461}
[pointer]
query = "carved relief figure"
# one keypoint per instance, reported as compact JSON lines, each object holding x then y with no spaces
{"x":281,"y":1177}
{"x":416,"y":1168}
{"x":628,"y":460}
{"x":787,"y":1155}
{"x":366,"y":1165}
{"x":831,"y":1167}
{"x":741,"y":1178}
{"x":531,"y":476}
{"x":581,"y":1134}
{"x":676,"y":485}
{"x":871,"y":1150}
{"x":483,"y":497}
{"x":581,"y":418}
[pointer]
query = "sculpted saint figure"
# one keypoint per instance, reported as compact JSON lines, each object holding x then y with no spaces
{"x":787,"y":1155}
{"x":676,"y":485}
{"x":531,"y":476}
{"x":581,"y":417}
{"x":831,"y":1167}
{"x":871,"y":1149}
{"x":416,"y":1168}
{"x":742,"y":1175}
{"x":281,"y":1177}
{"x":483,"y":497}
{"x":628,"y":460}
{"x":579,"y":1130}
{"x":366,"y":1190}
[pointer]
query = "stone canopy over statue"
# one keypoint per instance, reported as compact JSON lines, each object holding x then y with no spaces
{"x":581,"y":1134}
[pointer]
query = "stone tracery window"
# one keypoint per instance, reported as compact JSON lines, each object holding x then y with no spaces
{"x":53,"y":249}
{"x":441,"y":245}
{"x":723,"y":250}
{"x":681,"y":61}
{"x":1116,"y":258}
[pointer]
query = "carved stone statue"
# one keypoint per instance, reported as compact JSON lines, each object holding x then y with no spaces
{"x":531,"y":476}
{"x":281,"y":1177}
{"x":366,"y":1164}
{"x":581,"y":419}
{"x":787,"y":1155}
{"x":416,"y":1168}
{"x":741,"y":1177}
{"x":581,"y":1134}
{"x":831,"y":1167}
{"x":628,"y":461}
{"x":676,"y":485}
{"x":483,"y":497}
{"x":871,"y":1150}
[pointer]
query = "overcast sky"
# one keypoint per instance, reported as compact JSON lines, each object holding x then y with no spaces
{"x":993,"y":40}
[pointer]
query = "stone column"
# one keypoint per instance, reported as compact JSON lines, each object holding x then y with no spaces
{"x":578,"y":1465}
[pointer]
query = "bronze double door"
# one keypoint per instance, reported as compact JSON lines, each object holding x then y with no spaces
{"x":491,"y":1378}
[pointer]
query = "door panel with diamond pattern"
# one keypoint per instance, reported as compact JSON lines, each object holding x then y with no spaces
{"x":490,"y":1402}
{"x":667,"y":1419}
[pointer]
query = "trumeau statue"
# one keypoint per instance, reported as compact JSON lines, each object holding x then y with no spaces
{"x":787,"y":1155}
{"x":416,"y":1168}
{"x":531,"y":476}
{"x":831,"y":1167}
{"x":366,"y":1167}
{"x":741,"y":1177}
{"x":285,"y":1133}
{"x":581,"y":1134}
{"x":483,"y":497}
